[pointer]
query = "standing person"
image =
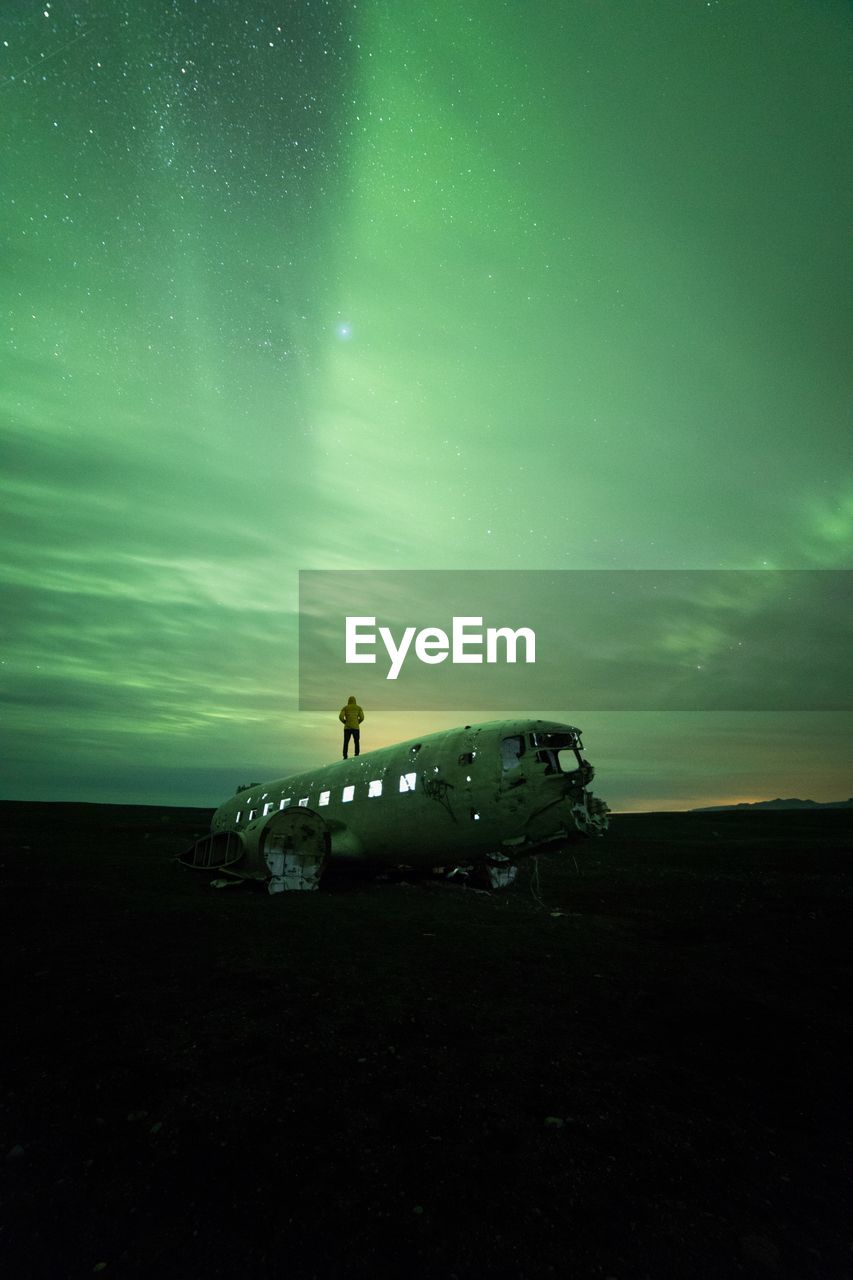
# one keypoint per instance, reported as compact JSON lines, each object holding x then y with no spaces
{"x":351,"y":717}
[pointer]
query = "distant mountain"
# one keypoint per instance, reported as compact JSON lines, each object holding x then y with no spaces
{"x":777,"y":804}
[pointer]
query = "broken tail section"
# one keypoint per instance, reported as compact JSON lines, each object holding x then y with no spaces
{"x":289,"y":849}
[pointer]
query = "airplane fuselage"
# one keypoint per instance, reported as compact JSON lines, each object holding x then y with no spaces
{"x":505,"y":788}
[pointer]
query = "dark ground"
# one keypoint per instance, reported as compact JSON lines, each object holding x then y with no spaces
{"x":422,"y":1081}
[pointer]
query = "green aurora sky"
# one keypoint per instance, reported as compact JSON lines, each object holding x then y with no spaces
{"x":540,"y":284}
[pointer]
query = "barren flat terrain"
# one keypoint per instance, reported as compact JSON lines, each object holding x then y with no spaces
{"x":643,"y":1071}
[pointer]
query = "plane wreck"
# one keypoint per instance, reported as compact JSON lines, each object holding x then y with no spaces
{"x":485,"y":796}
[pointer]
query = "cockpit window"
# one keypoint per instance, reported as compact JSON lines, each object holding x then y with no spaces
{"x":556,"y":741}
{"x":569,"y":760}
{"x":512,"y":749}
{"x":557,"y":750}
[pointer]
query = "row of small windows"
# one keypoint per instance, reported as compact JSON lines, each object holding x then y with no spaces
{"x":374,"y":788}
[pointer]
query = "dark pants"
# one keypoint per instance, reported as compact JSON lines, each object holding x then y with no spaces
{"x":355,"y":734}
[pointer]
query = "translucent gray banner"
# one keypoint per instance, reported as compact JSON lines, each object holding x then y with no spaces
{"x":585,"y":640}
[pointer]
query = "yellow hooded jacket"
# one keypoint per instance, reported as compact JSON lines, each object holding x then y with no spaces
{"x":351,"y":715}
